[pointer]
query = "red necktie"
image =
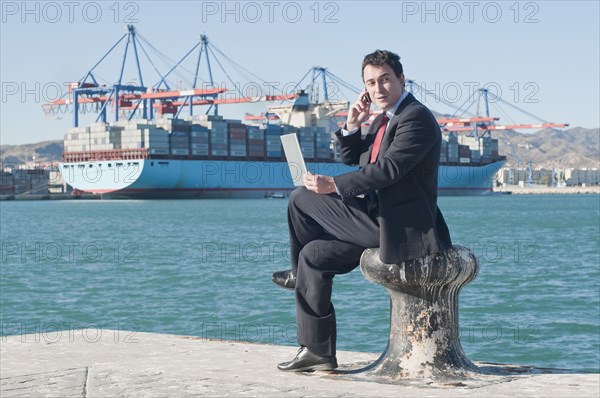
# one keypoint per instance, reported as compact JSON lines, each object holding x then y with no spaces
{"x":379,"y":138}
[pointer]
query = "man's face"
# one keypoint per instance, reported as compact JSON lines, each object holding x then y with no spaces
{"x":383,"y":86}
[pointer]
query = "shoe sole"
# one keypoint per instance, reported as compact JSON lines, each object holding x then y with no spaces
{"x":283,"y":287}
{"x":312,"y":368}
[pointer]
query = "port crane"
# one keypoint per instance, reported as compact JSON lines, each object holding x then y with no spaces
{"x":472,"y":123}
{"x":475,"y":123}
{"x":161,"y":98}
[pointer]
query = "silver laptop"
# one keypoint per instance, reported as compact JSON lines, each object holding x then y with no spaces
{"x":294,"y":157}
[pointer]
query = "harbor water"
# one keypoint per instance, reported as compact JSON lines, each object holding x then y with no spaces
{"x":203,"y":268}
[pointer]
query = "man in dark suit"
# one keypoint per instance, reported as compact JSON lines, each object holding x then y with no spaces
{"x":390,"y":202}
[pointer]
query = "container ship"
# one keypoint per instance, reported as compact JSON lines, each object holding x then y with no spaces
{"x":159,"y":153}
{"x":208,"y":156}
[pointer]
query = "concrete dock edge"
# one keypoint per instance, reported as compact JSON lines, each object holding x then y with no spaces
{"x":111,"y":363}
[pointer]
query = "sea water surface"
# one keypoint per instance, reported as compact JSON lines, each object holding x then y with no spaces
{"x":203,"y":268}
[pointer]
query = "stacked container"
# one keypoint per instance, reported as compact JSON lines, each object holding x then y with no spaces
{"x":444,"y":151}
{"x":77,"y":139}
{"x":179,"y":141}
{"x":173,"y":124}
{"x":218,"y":138}
{"x":114,"y":136}
{"x":199,"y":140}
{"x":256,"y":142}
{"x":132,"y":135}
{"x":474,"y":147}
{"x":452,"y":148}
{"x":494,"y":148}
{"x":104,"y":137}
{"x":464,"y":154}
{"x":273,"y":140}
{"x":217,"y":133}
{"x":156,"y":140}
{"x":306,"y":136}
{"x":142,"y":134}
{"x":97,"y":137}
{"x":485,"y":144}
{"x":132,"y":138}
{"x":237,"y":139}
{"x":337,"y":153}
{"x":322,"y":143}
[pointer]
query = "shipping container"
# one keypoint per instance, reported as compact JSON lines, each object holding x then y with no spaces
{"x":158,"y":151}
{"x":255,"y":133}
{"x":199,"y":133}
{"x":464,"y":151}
{"x":206,"y":118}
{"x":494,"y":144}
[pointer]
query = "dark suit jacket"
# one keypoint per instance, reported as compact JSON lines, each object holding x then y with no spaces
{"x":404,"y":177}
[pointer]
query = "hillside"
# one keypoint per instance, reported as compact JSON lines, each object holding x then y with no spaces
{"x":576,"y":147}
{"x":45,"y":151}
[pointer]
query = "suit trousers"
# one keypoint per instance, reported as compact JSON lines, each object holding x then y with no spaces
{"x":327,"y":237}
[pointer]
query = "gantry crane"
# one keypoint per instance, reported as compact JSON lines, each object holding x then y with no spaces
{"x":146,"y":100}
{"x":476,"y":124}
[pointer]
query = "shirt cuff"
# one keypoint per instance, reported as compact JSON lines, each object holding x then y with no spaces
{"x":336,"y":188}
{"x":347,"y":133}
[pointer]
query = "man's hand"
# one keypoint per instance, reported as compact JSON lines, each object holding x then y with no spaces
{"x":319,"y":183}
{"x":359,"y":112}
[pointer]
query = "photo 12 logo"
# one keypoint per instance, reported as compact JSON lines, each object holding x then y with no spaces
{"x":56,"y":331}
{"x":268,"y":332}
{"x":32,"y":91}
{"x":255,"y":252}
{"x":269,"y":11}
{"x":453,"y":12}
{"x":468,"y":93}
{"x":69,"y":11}
{"x":68,"y":252}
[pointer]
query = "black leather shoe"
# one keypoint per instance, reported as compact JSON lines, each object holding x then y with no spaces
{"x":306,"y":361}
{"x":285,"y":279}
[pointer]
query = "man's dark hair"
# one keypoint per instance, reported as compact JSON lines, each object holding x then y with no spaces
{"x":381,"y":58}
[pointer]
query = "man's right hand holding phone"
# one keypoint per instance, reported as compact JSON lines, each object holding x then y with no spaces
{"x":359,"y":112}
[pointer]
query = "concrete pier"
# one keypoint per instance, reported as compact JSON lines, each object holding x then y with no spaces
{"x":109,"y":363}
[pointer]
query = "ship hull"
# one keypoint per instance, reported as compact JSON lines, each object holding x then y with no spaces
{"x":467,"y":180}
{"x":187,"y":179}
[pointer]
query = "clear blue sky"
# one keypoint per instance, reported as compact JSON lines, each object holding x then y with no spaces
{"x":543,"y":56}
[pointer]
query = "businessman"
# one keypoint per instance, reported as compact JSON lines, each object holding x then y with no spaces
{"x":389,"y":202}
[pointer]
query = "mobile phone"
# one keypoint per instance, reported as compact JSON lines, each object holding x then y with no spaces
{"x":367,"y":97}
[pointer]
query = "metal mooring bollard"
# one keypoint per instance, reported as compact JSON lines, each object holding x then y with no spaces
{"x":424,"y":331}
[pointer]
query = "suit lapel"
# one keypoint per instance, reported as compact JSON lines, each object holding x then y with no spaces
{"x":393,"y":123}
